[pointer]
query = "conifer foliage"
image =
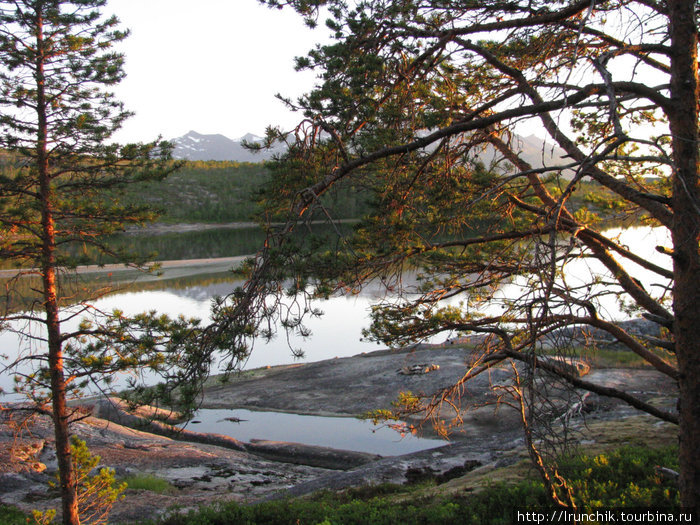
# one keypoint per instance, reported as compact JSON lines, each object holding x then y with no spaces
{"x":420,"y":103}
{"x":57,"y":63}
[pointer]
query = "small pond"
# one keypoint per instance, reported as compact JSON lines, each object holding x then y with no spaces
{"x":346,"y":433}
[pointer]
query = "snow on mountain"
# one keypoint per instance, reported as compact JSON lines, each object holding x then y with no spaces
{"x":249,"y":137}
{"x":197,"y":146}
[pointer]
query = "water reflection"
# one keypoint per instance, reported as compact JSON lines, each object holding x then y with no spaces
{"x":201,"y":241}
{"x":188,"y":290}
{"x":337,"y":334}
{"x":590,"y":277}
{"x":344,"y":433}
{"x":205,"y":244}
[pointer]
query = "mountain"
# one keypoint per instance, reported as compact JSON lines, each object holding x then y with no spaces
{"x":536,"y":152}
{"x":196,"y":146}
{"x":531,"y":149}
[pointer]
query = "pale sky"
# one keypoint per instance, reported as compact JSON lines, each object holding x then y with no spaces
{"x":212,"y":66}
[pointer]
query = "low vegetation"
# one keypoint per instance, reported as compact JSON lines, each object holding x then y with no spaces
{"x":618,"y":469}
{"x":97,"y":489}
{"x":626,"y":477}
{"x":12,"y":516}
{"x":612,"y":357}
{"x":148,"y":482}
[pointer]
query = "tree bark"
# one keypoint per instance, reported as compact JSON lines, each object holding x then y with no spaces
{"x":69,"y":499}
{"x":683,"y":121}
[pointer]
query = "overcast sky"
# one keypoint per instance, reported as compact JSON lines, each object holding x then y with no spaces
{"x":212,"y":66}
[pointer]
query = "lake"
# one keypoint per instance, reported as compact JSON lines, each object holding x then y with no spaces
{"x":188,"y":287}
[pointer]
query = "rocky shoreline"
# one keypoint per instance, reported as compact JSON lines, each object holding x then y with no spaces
{"x":204,"y":468}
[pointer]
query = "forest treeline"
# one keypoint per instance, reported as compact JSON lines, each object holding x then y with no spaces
{"x":224,"y":191}
{"x":229,"y":191}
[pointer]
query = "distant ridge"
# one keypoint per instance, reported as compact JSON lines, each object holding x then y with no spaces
{"x":197,"y":146}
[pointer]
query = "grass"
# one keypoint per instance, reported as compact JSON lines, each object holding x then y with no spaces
{"x":148,"y":482}
{"x":623,"y":476}
{"x":598,"y":357}
{"x":615,"y":358}
{"x":601,"y":437}
{"x":12,"y":516}
{"x":608,"y":357}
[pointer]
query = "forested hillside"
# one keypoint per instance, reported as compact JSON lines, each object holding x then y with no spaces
{"x":228,"y":191}
{"x":221,"y":192}
{"x":204,"y":192}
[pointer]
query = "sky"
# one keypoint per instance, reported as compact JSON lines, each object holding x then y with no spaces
{"x":212,"y":66}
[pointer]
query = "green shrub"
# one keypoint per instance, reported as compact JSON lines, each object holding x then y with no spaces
{"x":148,"y":482}
{"x":625,"y":477}
{"x":96,"y":492}
{"x":12,"y":516}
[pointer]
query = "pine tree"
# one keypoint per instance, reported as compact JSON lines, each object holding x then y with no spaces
{"x":59,"y":187}
{"x":413,"y":94}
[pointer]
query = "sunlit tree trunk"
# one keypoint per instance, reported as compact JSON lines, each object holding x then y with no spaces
{"x":58,"y":382}
{"x":57,"y":118}
{"x":48,"y":270}
{"x":686,"y":232}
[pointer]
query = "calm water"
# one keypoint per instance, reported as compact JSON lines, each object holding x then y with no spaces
{"x":205,"y":244}
{"x":188,"y":291}
{"x":330,"y":337}
{"x":344,"y":433}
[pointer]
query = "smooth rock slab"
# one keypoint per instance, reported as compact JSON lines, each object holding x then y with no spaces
{"x":201,"y":473}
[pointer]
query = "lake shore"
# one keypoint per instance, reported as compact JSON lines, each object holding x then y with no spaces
{"x":163,"y":270}
{"x":181,"y":227}
{"x":206,"y":471}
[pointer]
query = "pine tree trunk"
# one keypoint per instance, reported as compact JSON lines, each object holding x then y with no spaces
{"x":69,"y":498}
{"x":58,"y":384}
{"x":686,"y":232}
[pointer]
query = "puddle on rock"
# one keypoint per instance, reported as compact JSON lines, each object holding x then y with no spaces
{"x":344,"y":433}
